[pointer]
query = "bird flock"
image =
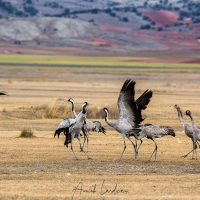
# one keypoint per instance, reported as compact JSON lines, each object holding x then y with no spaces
{"x":128,"y":123}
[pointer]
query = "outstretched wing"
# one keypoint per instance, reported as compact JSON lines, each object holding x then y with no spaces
{"x":143,"y":101}
{"x":128,"y":113}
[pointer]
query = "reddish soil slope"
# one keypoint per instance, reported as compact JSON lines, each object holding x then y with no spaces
{"x":163,"y":18}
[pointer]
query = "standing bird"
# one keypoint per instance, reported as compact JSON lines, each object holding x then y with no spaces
{"x":187,"y":128}
{"x":88,"y":125}
{"x":129,"y":112}
{"x":196,"y":133}
{"x":152,"y":132}
{"x":72,"y":128}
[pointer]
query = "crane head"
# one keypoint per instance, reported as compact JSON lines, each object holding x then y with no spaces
{"x":188,"y":112}
{"x":71,"y":100}
{"x":85,"y":104}
{"x":106,"y":110}
{"x":176,"y":106}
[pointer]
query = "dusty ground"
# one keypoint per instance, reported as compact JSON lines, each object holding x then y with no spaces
{"x":42,"y":168}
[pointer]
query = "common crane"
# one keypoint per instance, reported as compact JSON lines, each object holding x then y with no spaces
{"x":66,"y":123}
{"x":130,"y":110}
{"x":187,"y":128}
{"x":88,"y":125}
{"x":196,"y":132}
{"x":152,"y":132}
{"x":73,"y":128}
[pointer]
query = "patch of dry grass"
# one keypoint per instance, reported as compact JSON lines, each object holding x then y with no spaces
{"x":46,"y":111}
{"x":26,"y":133}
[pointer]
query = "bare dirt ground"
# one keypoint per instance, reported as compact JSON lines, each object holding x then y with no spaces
{"x":43,"y":168}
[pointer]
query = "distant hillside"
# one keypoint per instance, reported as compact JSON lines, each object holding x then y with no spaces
{"x":102,"y":25}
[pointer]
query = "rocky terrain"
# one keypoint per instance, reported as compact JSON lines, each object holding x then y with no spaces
{"x":101,"y":25}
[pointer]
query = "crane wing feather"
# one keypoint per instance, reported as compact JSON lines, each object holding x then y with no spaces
{"x":143,"y":101}
{"x":128,"y":113}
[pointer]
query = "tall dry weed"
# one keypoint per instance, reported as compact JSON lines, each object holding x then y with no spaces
{"x":53,"y":111}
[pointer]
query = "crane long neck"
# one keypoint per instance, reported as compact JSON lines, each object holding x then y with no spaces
{"x":193,"y":122}
{"x":106,"y":118}
{"x":112,"y":124}
{"x":180,"y":116}
{"x":73,"y":109}
{"x":83,"y":109}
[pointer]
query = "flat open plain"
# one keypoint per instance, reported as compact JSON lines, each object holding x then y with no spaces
{"x":43,"y":168}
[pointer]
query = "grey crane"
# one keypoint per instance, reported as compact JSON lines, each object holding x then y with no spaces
{"x":152,"y":132}
{"x":130,"y":110}
{"x":72,"y":128}
{"x":187,"y":128}
{"x":196,"y":132}
{"x":88,"y":125}
{"x":66,"y":123}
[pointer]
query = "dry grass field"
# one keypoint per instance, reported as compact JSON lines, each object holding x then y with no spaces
{"x":43,"y":168}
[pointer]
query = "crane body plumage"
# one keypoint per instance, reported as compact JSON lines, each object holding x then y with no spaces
{"x":153,"y":132}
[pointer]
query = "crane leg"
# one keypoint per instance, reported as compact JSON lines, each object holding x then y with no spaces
{"x":123,"y":150}
{"x":184,"y":156}
{"x":139,"y":144}
{"x":82,"y":147}
{"x":86,"y":155}
{"x":194,"y":150}
{"x":85,"y":140}
{"x":73,"y":152}
{"x":155,"y":150}
{"x":72,"y":137}
{"x":135,"y":148}
{"x":198,"y":144}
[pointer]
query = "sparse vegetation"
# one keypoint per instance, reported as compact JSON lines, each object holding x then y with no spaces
{"x":145,"y":27}
{"x":7,"y":6}
{"x":32,"y":11}
{"x":125,"y":19}
{"x":26,"y":133}
{"x":160,"y":29}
